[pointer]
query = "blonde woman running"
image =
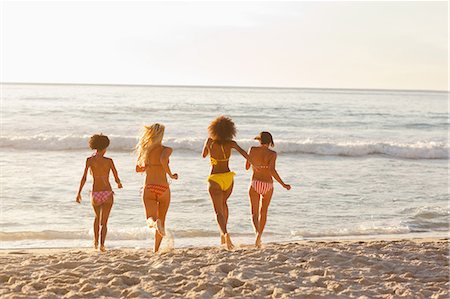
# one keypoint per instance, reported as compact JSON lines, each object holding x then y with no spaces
{"x":153,"y":159}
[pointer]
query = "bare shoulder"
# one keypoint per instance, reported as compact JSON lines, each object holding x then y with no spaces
{"x":272,"y":153}
{"x":167,"y":151}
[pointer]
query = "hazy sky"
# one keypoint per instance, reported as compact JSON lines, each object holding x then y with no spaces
{"x":399,"y":45}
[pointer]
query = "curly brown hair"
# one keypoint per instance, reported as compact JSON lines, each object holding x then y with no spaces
{"x":222,"y":129}
{"x":98,"y":142}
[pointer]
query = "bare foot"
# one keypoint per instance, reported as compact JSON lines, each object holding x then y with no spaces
{"x":258,"y":242}
{"x":95,"y":245}
{"x":160,"y":227}
{"x":222,"y":239}
{"x":150,"y":222}
{"x":228,"y":242}
{"x":102,"y":248}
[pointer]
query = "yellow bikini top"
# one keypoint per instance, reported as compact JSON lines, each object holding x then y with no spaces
{"x":216,"y":161}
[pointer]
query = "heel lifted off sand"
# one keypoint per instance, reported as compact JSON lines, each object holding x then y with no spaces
{"x":150,"y":222}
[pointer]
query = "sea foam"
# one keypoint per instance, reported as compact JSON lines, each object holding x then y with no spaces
{"x":412,"y":150}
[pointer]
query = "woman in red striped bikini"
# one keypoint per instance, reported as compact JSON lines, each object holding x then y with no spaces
{"x":101,"y":194}
{"x":261,"y":187}
{"x":153,"y":159}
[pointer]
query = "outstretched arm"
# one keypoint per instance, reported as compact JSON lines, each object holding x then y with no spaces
{"x":83,"y":181}
{"x":206,"y":147}
{"x":242,"y":152}
{"x":275,"y":174}
{"x":116,"y":175}
{"x":165,"y":162}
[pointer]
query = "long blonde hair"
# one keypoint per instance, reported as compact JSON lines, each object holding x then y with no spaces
{"x":151,"y":137}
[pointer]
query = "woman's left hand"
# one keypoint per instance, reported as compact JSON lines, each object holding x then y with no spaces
{"x":140,"y":168}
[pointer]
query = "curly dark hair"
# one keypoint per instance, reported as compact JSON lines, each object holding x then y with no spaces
{"x":222,"y":129}
{"x":98,"y":142}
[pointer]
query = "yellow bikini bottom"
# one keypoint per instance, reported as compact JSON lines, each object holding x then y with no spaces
{"x":224,"y":180}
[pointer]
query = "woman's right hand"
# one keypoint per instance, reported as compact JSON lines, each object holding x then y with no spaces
{"x":287,"y":187}
{"x":78,"y":199}
{"x":174,"y":176}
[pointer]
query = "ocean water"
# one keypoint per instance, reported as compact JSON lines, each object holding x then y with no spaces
{"x":361,"y":163}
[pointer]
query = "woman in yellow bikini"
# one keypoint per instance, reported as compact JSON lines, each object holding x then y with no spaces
{"x":218,"y":146}
{"x":153,"y":159}
{"x":261,"y":187}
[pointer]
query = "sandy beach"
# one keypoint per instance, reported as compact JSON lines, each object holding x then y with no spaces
{"x":416,"y":268}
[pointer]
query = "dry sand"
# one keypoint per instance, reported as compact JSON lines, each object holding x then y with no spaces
{"x":309,"y":269}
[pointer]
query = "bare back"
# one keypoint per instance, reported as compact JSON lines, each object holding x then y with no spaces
{"x":220,"y":153}
{"x":155,"y":173}
{"x":264,"y":159}
{"x":100,"y":168}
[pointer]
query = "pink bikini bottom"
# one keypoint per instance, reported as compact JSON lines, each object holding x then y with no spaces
{"x":100,"y":197}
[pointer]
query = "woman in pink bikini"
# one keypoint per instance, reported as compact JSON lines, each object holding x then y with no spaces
{"x":261,"y":187}
{"x":153,"y":159}
{"x":101,"y":194}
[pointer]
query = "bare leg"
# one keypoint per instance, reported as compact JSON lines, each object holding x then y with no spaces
{"x":217,"y":199}
{"x":254,"y":204}
{"x":151,"y":206}
{"x":97,"y":210}
{"x":263,"y":213}
{"x":226,"y":195}
{"x":106,"y":209}
{"x":163,"y":206}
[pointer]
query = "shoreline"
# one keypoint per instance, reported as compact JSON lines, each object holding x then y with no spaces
{"x":348,"y":268}
{"x":442,"y":236}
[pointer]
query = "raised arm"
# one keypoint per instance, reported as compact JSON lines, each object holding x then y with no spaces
{"x":83,"y":181}
{"x":275,"y":174}
{"x":165,"y":162}
{"x":116,"y":175}
{"x":206,"y":147}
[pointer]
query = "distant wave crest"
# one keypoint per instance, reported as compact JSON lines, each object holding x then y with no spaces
{"x":414,"y":150}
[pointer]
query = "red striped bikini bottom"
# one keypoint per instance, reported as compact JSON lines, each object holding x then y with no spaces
{"x":157,"y":189}
{"x":262,"y":187}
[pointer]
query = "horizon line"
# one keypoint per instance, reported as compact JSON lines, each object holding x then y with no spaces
{"x":228,"y":86}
